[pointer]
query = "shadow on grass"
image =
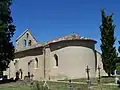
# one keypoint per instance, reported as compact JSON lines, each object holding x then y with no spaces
{"x":7,"y":81}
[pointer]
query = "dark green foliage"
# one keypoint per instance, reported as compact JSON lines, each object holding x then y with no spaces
{"x":109,"y":54}
{"x":1,"y":73}
{"x":118,"y":60}
{"x":6,"y":33}
{"x":118,"y":68}
{"x":119,"y":47}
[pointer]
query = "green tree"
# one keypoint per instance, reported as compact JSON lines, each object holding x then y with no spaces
{"x":118,"y":60}
{"x":6,"y":33}
{"x":119,"y":47}
{"x":108,"y":49}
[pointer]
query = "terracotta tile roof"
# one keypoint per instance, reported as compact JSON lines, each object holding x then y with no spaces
{"x":68,"y":37}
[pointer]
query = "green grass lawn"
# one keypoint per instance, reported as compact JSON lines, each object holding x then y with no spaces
{"x":14,"y":87}
{"x":64,"y":86}
{"x":52,"y":85}
{"x":94,"y":80}
{"x":105,"y":87}
{"x":56,"y":86}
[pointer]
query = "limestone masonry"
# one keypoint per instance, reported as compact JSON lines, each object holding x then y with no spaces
{"x":62,"y":58}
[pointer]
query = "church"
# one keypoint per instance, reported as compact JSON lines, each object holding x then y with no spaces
{"x":66,"y":57}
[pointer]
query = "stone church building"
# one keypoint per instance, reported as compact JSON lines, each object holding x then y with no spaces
{"x":61,"y":58}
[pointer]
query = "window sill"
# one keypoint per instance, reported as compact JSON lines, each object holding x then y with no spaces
{"x":35,"y":68}
{"x":55,"y":67}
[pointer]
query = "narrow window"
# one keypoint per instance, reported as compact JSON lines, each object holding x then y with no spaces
{"x":16,"y":65}
{"x":21,"y":73}
{"x":29,"y":43}
{"x":36,"y":62}
{"x":27,"y":35}
{"x":25,"y":43}
{"x":28,"y":68}
{"x":56,"y":59}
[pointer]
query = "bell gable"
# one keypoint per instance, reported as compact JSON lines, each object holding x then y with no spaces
{"x":25,"y":40}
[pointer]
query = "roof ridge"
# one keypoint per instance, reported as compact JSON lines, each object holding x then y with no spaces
{"x":69,"y":36}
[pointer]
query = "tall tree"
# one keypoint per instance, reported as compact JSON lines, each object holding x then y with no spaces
{"x":108,"y":49}
{"x":119,"y":47}
{"x":6,"y":33}
{"x":118,"y":59}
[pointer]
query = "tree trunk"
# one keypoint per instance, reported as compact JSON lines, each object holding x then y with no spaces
{"x":109,"y":75}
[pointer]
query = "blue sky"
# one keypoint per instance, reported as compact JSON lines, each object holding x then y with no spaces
{"x":48,"y":19}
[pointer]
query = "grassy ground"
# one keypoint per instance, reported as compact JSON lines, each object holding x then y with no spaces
{"x":94,"y":80}
{"x":105,"y":87}
{"x":15,"y":87}
{"x":52,"y":85}
{"x":56,"y":86}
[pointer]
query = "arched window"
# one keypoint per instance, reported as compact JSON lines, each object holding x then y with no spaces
{"x":21,"y":72}
{"x":25,"y":43}
{"x":36,"y":63}
{"x":56,"y":59}
{"x":27,"y":35}
{"x":29,"y":43}
{"x":16,"y":64}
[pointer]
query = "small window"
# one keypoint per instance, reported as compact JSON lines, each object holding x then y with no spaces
{"x":36,"y":63}
{"x":28,"y":63}
{"x":16,"y":64}
{"x":27,"y":35}
{"x":56,"y":59}
{"x":25,"y":42}
{"x":29,"y":43}
{"x":16,"y":61}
